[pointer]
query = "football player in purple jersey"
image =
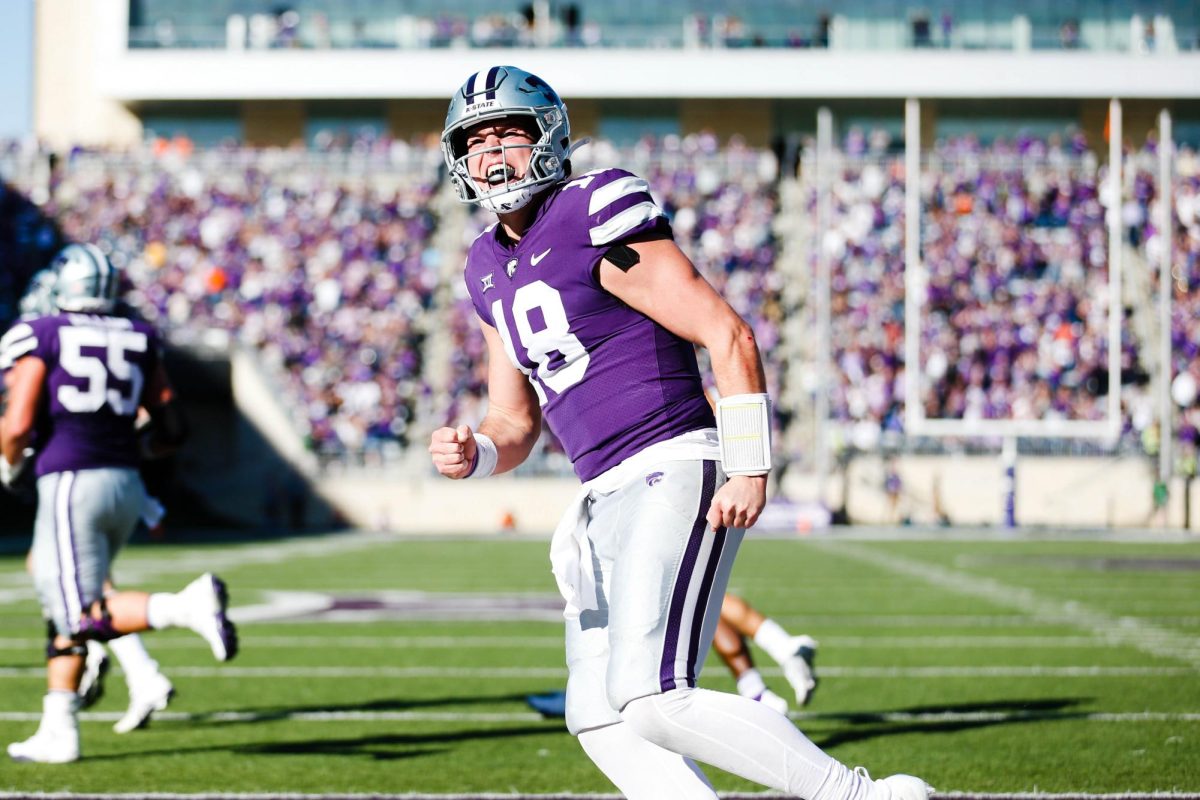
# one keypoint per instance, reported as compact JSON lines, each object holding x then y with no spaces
{"x":591,"y":315}
{"x":149,"y":689}
{"x":77,"y":379}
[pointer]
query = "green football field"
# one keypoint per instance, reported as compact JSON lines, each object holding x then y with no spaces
{"x":379,"y":665}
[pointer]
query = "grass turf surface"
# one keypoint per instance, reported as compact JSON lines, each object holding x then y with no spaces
{"x":983,"y":665}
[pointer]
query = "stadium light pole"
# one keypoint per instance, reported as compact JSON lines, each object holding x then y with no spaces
{"x":1115,"y":250}
{"x":1166,"y":146}
{"x":913,"y":270}
{"x":824,"y":322}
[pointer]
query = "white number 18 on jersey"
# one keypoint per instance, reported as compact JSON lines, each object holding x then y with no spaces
{"x":540,"y":345}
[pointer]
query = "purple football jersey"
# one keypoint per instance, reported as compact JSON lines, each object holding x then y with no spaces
{"x":96,"y":368}
{"x":610,"y":380}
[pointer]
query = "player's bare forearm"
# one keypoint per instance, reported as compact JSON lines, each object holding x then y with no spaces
{"x":24,"y":394}
{"x":737,"y":369}
{"x":514,"y":435}
{"x":455,"y":452}
{"x":736,"y":363}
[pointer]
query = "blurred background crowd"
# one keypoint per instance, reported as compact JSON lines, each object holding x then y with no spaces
{"x":340,"y":267}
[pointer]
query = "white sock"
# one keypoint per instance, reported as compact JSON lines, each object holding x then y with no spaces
{"x":750,"y":684}
{"x":132,"y":655}
{"x":59,"y":708}
{"x":775,"y":640}
{"x":165,"y":610}
{"x":745,"y":738}
{"x":641,"y":770}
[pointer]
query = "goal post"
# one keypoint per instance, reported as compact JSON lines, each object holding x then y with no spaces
{"x":915,"y":283}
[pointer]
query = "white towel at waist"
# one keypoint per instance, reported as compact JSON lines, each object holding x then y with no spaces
{"x":570,"y":551}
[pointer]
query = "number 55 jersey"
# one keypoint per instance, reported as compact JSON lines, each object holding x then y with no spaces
{"x":610,"y":380}
{"x":96,"y":367}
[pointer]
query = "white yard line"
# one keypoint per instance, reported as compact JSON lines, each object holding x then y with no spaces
{"x":562,"y":796}
{"x":136,"y":568}
{"x":1121,"y":631}
{"x":529,"y":716}
{"x":468,"y":642}
{"x":560,"y":673}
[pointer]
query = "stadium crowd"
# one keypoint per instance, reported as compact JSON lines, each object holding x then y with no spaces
{"x":325,"y":271}
{"x":324,"y":263}
{"x":1014,"y":242}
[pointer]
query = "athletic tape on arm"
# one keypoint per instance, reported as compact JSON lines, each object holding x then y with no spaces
{"x":744,"y":430}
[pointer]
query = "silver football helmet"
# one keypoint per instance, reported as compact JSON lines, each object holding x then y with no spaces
{"x":38,"y":300}
{"x":85,"y":280}
{"x":495,"y":94}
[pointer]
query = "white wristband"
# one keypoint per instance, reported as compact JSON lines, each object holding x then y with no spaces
{"x":486,"y":456}
{"x":744,"y":431}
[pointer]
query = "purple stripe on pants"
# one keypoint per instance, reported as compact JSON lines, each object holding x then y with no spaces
{"x":710,"y":572}
{"x":74,"y":548}
{"x":666,"y":671}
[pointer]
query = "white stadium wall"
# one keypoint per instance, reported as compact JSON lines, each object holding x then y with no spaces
{"x":91,"y":86}
{"x":1052,"y":492}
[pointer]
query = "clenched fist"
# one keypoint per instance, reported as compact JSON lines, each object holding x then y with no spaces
{"x":453,"y":451}
{"x":738,"y":503}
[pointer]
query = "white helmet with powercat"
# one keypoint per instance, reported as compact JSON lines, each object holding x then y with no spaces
{"x":86,"y":280}
{"x":498,"y":93}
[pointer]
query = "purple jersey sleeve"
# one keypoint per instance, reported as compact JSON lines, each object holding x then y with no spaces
{"x":96,"y":371}
{"x":18,"y":341}
{"x":620,"y":207}
{"x":610,"y":380}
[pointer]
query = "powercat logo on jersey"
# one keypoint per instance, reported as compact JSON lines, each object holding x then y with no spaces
{"x":510,"y":267}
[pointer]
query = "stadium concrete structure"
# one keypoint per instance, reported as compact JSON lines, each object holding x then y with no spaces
{"x":94,"y":88}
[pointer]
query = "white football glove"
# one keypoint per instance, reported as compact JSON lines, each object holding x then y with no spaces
{"x":11,"y":473}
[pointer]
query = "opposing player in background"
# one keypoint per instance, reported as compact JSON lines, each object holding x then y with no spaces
{"x":78,"y":379}
{"x":149,"y":690}
{"x":591,"y":314}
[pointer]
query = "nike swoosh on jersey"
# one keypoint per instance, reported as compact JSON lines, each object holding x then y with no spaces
{"x":535,"y":259}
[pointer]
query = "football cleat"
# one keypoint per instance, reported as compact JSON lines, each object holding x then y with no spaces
{"x":896,"y":787}
{"x":798,"y":668}
{"x":551,"y":704}
{"x":95,"y":667}
{"x":47,"y":747}
{"x":206,"y":601}
{"x":153,"y":694}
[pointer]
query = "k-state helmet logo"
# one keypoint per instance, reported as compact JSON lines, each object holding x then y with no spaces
{"x":510,"y":267}
{"x":653,"y":478}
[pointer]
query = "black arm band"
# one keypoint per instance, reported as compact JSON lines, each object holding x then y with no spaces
{"x":622,"y":256}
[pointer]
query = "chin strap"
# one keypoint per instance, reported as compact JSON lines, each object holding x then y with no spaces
{"x":576,"y":145}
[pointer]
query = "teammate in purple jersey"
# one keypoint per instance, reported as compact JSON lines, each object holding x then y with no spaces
{"x":149,"y":689}
{"x":78,"y":378}
{"x":591,"y":314}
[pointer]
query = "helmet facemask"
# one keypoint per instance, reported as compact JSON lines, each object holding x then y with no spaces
{"x":512,"y":94}
{"x":510,"y":194}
